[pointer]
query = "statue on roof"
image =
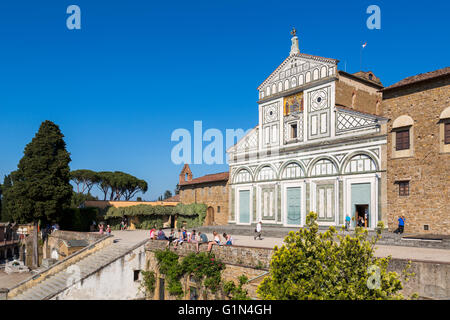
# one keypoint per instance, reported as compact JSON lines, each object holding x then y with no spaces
{"x":294,"y":32}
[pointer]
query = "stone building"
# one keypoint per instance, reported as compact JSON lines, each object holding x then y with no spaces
{"x":211,"y":189}
{"x":418,"y":152}
{"x":319,"y":146}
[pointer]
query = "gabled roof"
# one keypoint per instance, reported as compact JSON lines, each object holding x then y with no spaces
{"x":419,"y":78}
{"x":299,"y":55}
{"x":222,"y":176}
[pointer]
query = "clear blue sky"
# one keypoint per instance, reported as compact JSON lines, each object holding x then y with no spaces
{"x":139,"y":69}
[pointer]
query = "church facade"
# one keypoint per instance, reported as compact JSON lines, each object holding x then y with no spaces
{"x":319,"y":145}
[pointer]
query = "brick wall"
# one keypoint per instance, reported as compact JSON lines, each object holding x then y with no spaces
{"x":214,"y":195}
{"x":427,"y":170}
{"x":366,"y":97}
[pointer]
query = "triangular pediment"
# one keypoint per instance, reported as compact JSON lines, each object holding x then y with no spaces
{"x":246,"y":143}
{"x":297,"y":66}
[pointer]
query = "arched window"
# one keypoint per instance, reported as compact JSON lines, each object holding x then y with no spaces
{"x":323,"y":167}
{"x":280,"y":86}
{"x":323,"y":72}
{"x":266,"y":173}
{"x":294,"y":82}
{"x":243,"y":176}
{"x":402,"y":137}
{"x":360,"y":163}
{"x":292,"y":171}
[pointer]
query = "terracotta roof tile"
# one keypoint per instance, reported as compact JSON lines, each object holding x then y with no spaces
{"x":419,"y":77}
{"x":175,"y":198}
{"x":222,"y":176}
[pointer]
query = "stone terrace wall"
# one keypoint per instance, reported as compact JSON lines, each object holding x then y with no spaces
{"x":431,"y":279}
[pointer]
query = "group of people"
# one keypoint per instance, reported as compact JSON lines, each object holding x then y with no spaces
{"x":103,"y":230}
{"x":124,"y":224}
{"x":191,"y":237}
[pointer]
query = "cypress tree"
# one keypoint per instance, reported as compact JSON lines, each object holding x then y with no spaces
{"x":40,"y":186}
{"x":4,"y":214}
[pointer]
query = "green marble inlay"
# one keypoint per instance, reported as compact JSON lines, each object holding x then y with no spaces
{"x":308,"y":197}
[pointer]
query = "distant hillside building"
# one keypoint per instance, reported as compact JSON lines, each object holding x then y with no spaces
{"x":211,"y":189}
{"x":319,"y":145}
{"x":418,"y":152}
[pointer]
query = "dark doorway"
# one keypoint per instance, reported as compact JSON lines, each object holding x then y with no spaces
{"x":161,"y":289}
{"x":172,"y":222}
{"x":362,"y":215}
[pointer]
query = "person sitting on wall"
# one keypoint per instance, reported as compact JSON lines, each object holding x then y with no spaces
{"x":153,"y":233}
{"x":171,"y":235}
{"x":347,"y":222}
{"x":216,"y":241}
{"x":161,"y":235}
{"x":229,"y":240}
{"x":192,"y":237}
{"x":180,"y":239}
{"x":202,"y":238}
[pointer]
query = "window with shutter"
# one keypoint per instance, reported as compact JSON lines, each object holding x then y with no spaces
{"x":402,"y":139}
{"x":447,"y":133}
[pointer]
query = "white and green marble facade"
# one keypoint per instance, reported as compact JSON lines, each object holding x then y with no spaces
{"x":331,"y":164}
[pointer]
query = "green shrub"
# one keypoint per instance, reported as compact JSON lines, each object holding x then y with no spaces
{"x":78,"y":219}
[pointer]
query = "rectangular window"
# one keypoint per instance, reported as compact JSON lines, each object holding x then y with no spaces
{"x":402,"y":139}
{"x":403,"y":188}
{"x":293,"y":131}
{"x":274,"y":133}
{"x":447,"y":133}
{"x":136,"y":275}
{"x":267,"y":135}
{"x":218,"y":209}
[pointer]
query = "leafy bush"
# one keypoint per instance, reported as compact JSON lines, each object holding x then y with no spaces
{"x":148,"y":282}
{"x":77,"y":219}
{"x":203,"y":266}
{"x":236,"y":292}
{"x":312,"y":265}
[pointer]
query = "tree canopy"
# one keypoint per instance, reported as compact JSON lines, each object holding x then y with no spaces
{"x":117,"y":185}
{"x":40,"y":186}
{"x":313,"y":265}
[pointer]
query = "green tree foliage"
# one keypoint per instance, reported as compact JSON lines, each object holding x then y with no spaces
{"x":312,"y":265}
{"x":79,"y":198}
{"x":84,"y":180}
{"x":234,"y":292}
{"x":204,"y":267}
{"x":41,"y":185}
{"x":120,"y":185}
{"x":167,"y":194}
{"x":78,"y":219}
{"x":5,"y":216}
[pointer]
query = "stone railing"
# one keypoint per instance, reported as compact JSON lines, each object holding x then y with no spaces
{"x":251,"y":257}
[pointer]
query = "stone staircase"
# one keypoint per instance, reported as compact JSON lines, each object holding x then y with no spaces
{"x":68,"y":277}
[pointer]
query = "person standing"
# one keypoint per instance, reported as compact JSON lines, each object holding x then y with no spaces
{"x":347,"y":222}
{"x":101,"y":226}
{"x":108,"y":230}
{"x":401,"y":225}
{"x":258,"y":231}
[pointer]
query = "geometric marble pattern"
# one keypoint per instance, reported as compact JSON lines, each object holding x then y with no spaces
{"x":346,"y":121}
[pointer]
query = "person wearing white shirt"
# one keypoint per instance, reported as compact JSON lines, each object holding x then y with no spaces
{"x":258,"y":231}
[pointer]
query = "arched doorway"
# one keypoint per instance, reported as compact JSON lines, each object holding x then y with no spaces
{"x":209,"y":216}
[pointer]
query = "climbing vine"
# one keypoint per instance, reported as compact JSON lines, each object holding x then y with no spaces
{"x":236,"y":292}
{"x":148,"y":282}
{"x":204,"y":267}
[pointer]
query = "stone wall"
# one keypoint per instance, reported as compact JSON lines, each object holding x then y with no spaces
{"x":214,"y":195}
{"x":367,"y":98}
{"x":427,"y":170}
{"x":116,"y":281}
{"x":431,"y":279}
{"x":249,"y":261}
